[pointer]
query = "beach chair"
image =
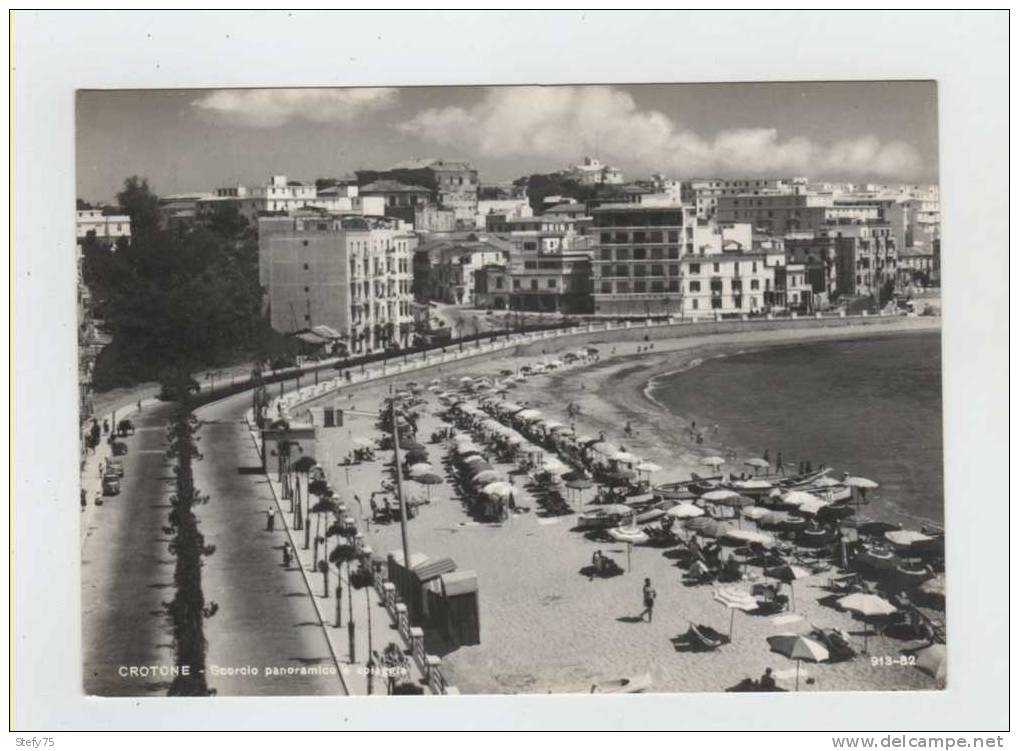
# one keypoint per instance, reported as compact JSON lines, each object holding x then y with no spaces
{"x":703,"y":638}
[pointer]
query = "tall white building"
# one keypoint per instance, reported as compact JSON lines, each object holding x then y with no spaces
{"x":350,"y":273}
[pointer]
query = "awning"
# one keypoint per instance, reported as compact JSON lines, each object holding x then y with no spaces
{"x":434,"y":568}
{"x":459,"y":583}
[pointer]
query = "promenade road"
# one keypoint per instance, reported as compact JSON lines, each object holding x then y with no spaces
{"x":127,"y":571}
{"x":266,"y":618}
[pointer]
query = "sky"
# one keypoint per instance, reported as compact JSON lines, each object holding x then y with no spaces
{"x":198,"y":140}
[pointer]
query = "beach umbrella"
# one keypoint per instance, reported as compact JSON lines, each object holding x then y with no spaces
{"x":756,"y":513}
{"x":748,"y":536}
{"x":798,"y":498}
{"x":631,"y":535}
{"x":717,"y":496}
{"x":877,"y":558}
{"x":868,"y":606}
{"x":364,"y":443}
{"x":409,"y":444}
{"x":825,"y":482}
{"x":476,"y":467}
{"x":605,"y":448}
{"x":713,"y":461}
{"x":419,"y":469}
{"x":428,"y":479}
{"x":935,"y":589}
{"x":528,"y":415}
{"x":933,"y":661}
{"x":472,"y":458}
{"x":685,"y":511}
{"x":485,"y":477}
{"x":799,"y":648}
{"x":498,"y":489}
{"x":735,"y":599}
{"x":811,"y":508}
{"x":707,"y":527}
{"x":648,"y":467}
{"x":788,"y":574}
{"x":468,"y":448}
{"x":554,"y":466}
{"x":907,"y":538}
{"x":860,"y":484}
{"x":732,"y":501}
{"x":580,"y":483}
{"x":830,"y":513}
{"x":757,"y":464}
{"x":625,"y":457}
{"x":873,"y":528}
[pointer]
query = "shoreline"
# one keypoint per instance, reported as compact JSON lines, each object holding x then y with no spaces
{"x":530,"y":567}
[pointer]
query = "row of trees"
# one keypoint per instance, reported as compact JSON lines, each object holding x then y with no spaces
{"x":174,"y":297}
{"x":187,"y":610}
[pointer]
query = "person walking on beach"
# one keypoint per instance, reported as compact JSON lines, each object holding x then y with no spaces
{"x":649,"y":600}
{"x":779,"y":466}
{"x":286,"y":555}
{"x":270,"y":519}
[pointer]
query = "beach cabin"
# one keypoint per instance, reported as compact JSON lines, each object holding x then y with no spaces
{"x":410,"y":583}
{"x":453,"y":608}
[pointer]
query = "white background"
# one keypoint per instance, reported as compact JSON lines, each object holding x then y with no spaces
{"x":55,"y":53}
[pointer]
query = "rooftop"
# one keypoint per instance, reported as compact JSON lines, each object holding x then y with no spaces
{"x":392,"y":186}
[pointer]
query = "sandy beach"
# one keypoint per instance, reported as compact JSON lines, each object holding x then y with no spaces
{"x":546,"y":626}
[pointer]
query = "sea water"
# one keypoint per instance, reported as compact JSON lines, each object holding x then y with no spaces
{"x":870,"y":407}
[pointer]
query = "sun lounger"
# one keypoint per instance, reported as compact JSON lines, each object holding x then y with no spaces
{"x":704,"y":638}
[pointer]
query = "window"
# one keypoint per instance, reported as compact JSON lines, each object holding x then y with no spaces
{"x":640,"y":270}
{"x":623,"y":254}
{"x":640,"y":286}
{"x":530,"y":264}
{"x":551,"y":284}
{"x":656,"y":254}
{"x":715,"y":265}
{"x":498,"y":282}
{"x":307,"y":289}
{"x":534,"y":285}
{"x":673,"y":269}
{"x":639,"y":254}
{"x":623,"y":287}
{"x":656,"y":237}
{"x":695,"y":268}
{"x":622,"y":270}
{"x":755,"y":284}
{"x":674,"y":252}
{"x":673,"y":285}
{"x":606,"y":288}
{"x":606,"y":254}
{"x":695,"y":286}
{"x":305,"y":267}
{"x":673,"y":237}
{"x":716,"y":302}
{"x":516,"y":284}
{"x":606,"y":237}
{"x":657,"y":286}
{"x":695,"y":304}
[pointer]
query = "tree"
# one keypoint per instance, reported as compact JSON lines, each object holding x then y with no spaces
{"x":141,"y":204}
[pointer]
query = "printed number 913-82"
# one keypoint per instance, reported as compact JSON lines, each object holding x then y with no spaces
{"x":888,"y":661}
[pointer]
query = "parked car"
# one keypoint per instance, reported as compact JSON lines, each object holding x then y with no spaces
{"x":119,"y":448}
{"x":115,"y":467}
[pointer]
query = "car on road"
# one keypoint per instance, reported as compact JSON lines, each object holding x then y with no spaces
{"x":171,"y":392}
{"x":115,"y":467}
{"x":111,"y":484}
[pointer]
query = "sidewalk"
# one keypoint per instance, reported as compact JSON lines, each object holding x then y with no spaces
{"x":373,"y":627}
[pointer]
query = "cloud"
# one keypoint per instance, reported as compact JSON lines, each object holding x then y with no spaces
{"x":270,"y":108}
{"x":558,"y":123}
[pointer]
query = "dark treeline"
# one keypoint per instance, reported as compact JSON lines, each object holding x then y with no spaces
{"x":188,"y":610}
{"x":174,"y":300}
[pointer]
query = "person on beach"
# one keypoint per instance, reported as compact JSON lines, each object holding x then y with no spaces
{"x":767,"y":457}
{"x":270,"y":519}
{"x":767,"y":680}
{"x":286,"y":555}
{"x":779,"y":466}
{"x":628,"y":429}
{"x":649,"y":600}
{"x":84,"y":499}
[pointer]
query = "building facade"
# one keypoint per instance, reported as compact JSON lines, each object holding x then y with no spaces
{"x":107,"y":228}
{"x":636,"y":259}
{"x":350,"y":273}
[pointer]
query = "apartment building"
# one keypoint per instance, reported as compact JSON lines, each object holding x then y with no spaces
{"x":636,"y":258}
{"x":350,"y":273}
{"x":703,"y":193}
{"x":101,"y":223}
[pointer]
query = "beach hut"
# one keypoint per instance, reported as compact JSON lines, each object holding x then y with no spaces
{"x":453,"y":608}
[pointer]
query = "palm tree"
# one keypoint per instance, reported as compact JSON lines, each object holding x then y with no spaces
{"x":323,"y":506}
{"x":302,"y":466}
